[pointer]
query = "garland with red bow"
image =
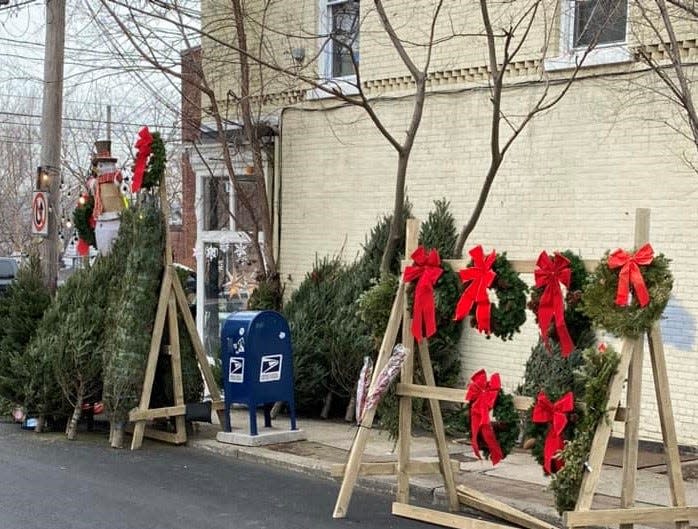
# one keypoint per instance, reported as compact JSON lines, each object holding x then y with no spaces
{"x":149,"y":165}
{"x":492,"y":418}
{"x":628,"y":291}
{"x":85,"y":223}
{"x":550,"y":273}
{"x":494,"y":273}
{"x":425,"y":270}
{"x":553,"y":414}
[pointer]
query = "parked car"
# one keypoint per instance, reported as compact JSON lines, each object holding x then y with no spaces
{"x":8,"y":272}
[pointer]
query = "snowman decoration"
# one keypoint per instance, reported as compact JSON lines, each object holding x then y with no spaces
{"x":105,"y":185}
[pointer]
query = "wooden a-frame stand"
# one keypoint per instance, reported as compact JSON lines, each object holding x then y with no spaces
{"x":172,"y":297}
{"x":630,"y":366}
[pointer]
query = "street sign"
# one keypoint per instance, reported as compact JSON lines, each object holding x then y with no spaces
{"x":40,"y":213}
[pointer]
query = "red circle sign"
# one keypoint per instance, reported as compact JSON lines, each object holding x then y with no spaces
{"x":39,"y":213}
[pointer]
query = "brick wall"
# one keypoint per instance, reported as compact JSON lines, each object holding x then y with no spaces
{"x":184,"y":239}
{"x":571,"y":181}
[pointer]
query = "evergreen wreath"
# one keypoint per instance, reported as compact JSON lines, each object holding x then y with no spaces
{"x":600,"y":364}
{"x":599,"y":299}
{"x":156,"y":163}
{"x":505,"y":423}
{"x":509,"y":314}
{"x":576,"y":321}
{"x":82,"y":218}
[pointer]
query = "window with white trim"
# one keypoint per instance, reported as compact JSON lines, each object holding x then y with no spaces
{"x":601,"y":24}
{"x":339,"y":24}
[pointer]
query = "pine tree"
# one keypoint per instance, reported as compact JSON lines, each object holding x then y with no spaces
{"x":20,"y":312}
{"x":134,"y":316}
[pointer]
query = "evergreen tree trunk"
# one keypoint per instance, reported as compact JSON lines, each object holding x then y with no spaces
{"x":40,"y":421}
{"x":117,"y":435}
{"x":71,"y":430}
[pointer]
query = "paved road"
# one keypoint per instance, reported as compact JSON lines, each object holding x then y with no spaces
{"x":48,"y":482}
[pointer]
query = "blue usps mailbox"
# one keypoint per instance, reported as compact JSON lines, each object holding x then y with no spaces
{"x":257,"y":364}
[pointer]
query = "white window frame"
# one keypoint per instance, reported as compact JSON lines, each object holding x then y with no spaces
{"x":569,"y":56}
{"x":346,"y":84}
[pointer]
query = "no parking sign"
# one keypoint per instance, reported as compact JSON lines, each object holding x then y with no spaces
{"x":40,"y":213}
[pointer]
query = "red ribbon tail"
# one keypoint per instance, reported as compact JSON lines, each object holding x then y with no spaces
{"x":474,"y":430}
{"x":417,"y":324}
{"x":465,"y":303}
{"x":643,"y":296}
{"x":623,"y":286}
{"x":496,"y":454}
{"x":483,"y":313}
{"x":553,"y":444}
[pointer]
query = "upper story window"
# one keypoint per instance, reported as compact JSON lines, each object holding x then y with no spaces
{"x":599,"y":24}
{"x":340,"y":23}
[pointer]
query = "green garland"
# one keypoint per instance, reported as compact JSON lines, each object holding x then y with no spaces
{"x":81,"y":218}
{"x":576,"y":321}
{"x":156,"y":163}
{"x":509,"y":314}
{"x":599,"y":367}
{"x":599,"y":299}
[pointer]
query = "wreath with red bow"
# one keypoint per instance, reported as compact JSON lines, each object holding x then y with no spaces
{"x":492,"y":271}
{"x":85,"y":223}
{"x":490,"y":418}
{"x":628,"y":291}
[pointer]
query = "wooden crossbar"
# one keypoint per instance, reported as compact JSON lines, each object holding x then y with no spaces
{"x":444,"y":519}
{"x":629,"y":516}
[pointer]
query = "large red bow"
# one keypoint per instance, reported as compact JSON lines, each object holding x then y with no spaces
{"x":143,"y":150}
{"x":549,"y":274}
{"x":546,"y":412}
{"x":482,"y":395}
{"x":427,"y":270}
{"x":480,"y":276}
{"x":630,"y":274}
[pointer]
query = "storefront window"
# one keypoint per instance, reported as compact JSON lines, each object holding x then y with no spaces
{"x":229,"y":279}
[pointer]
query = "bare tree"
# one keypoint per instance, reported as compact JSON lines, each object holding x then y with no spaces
{"x":662,"y":52}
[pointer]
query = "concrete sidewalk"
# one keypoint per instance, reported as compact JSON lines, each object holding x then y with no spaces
{"x":518,"y":480}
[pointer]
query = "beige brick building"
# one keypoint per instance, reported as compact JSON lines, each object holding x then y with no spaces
{"x":572,"y":179}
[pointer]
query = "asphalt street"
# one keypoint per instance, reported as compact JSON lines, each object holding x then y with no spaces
{"x":47,"y":481}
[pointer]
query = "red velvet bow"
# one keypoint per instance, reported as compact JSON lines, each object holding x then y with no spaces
{"x":480,"y":276}
{"x":143,"y":150}
{"x":427,"y":270}
{"x":630,"y":274}
{"x":83,"y":248}
{"x":549,"y":274}
{"x":482,"y":395}
{"x":546,"y":412}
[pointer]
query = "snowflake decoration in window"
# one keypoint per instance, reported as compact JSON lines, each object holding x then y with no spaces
{"x":211,"y":253}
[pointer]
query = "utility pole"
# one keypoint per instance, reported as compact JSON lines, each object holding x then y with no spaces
{"x":109,"y":122}
{"x":51,"y":129}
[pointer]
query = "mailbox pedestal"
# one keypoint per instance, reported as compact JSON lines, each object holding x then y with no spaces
{"x":257,"y":364}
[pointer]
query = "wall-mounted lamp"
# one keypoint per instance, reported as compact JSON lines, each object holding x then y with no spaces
{"x":298,"y":54}
{"x":43,"y":179}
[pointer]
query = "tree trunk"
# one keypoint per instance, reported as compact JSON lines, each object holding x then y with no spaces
{"x":117,"y":436}
{"x":325,"y":413}
{"x":40,"y":423}
{"x":71,"y":431}
{"x":399,"y":204}
{"x":349,"y":415}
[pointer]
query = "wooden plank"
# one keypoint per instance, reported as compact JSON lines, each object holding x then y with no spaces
{"x":643,"y":516}
{"x":153,"y":354}
{"x":666,"y":416}
{"x":390,"y":468}
{"x":167,"y":437}
{"x":603,"y":432}
{"x":406,"y":376}
{"x":211,"y":382}
{"x":521,"y":402}
{"x":438,"y":425}
{"x":632,"y":429}
{"x":522,"y":266}
{"x":137,"y":414}
{"x":359,"y":444}
{"x":176,"y":361}
{"x":477,"y":500}
{"x":443,"y":519}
